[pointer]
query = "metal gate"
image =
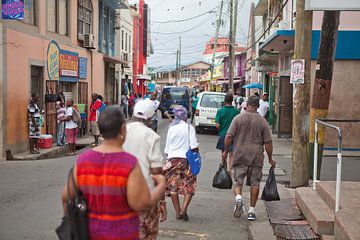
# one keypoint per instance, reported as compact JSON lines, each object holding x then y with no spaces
{"x":51,"y":116}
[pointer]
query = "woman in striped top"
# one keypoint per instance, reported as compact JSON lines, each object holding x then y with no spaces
{"x":112,"y":183}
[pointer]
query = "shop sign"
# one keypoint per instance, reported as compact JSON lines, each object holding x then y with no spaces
{"x":297,"y":71}
{"x":12,"y":9}
{"x":69,"y":63}
{"x":53,"y":54}
{"x":82,"y":68}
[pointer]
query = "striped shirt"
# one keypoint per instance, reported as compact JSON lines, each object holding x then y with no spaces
{"x":250,"y":132}
{"x":102,"y":178}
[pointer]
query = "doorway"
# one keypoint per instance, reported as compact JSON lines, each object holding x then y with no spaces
{"x":285,"y":107}
{"x":37,"y":84}
{"x":51,"y":115}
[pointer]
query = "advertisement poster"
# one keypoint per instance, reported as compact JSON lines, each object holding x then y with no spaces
{"x":69,"y":63}
{"x":297,"y":71}
{"x":82,"y":68}
{"x":53,"y":54}
{"x":12,"y":9}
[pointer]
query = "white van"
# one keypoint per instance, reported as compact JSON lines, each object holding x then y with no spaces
{"x":206,"y":109}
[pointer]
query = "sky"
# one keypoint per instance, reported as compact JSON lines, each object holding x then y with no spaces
{"x":170,"y":20}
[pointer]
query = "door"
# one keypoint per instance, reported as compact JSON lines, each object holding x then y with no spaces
{"x":37,"y":84}
{"x":51,"y":116}
{"x":285,"y":107}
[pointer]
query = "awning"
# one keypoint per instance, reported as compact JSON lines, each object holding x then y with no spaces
{"x":143,"y":77}
{"x":221,"y":82}
{"x":115,"y":60}
{"x":281,"y":40}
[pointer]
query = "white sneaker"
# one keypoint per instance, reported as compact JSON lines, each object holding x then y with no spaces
{"x":238,"y":209}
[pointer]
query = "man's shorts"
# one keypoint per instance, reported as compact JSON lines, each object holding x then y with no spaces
{"x":95,"y":128}
{"x":221,"y":145}
{"x":253,"y":174}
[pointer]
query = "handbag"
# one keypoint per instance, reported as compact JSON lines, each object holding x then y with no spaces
{"x":222,"y":178}
{"x":74,"y":226}
{"x":193,"y":158}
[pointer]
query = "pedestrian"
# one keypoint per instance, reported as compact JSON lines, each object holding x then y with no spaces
{"x":96,"y":104}
{"x":71,"y":127}
{"x":34,"y":122}
{"x":179,"y":179}
{"x":144,"y":144}
{"x":124,"y":104}
{"x":250,"y":133}
{"x":60,"y":111}
{"x":131,"y":104}
{"x":194,"y":102}
{"x":223,"y":119}
{"x":264,"y":106}
{"x":157,"y":106}
{"x":112,"y":183}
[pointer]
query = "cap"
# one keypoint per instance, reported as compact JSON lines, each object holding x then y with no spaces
{"x":265,"y":93}
{"x":144,"y":109}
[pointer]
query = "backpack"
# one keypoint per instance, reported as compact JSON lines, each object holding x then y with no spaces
{"x":76,"y":116}
{"x":102,"y":108}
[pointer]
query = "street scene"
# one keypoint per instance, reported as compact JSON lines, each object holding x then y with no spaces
{"x":159,"y":119}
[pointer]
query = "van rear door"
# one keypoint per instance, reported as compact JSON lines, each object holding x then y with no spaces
{"x":209,"y":105}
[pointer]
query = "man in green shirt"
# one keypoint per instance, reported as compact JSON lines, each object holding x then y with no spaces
{"x":194,"y":102}
{"x":223,"y":119}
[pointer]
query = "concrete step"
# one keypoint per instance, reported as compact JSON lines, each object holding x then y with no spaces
{"x":327,"y":237}
{"x":347,"y":225}
{"x":326,"y":190}
{"x":320,"y":217}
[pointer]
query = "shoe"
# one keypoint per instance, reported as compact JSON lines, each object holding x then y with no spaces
{"x":238,"y":209}
{"x":184,"y":217}
{"x":251,"y":216}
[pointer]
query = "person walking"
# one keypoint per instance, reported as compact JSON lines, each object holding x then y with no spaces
{"x":144,"y":144}
{"x":264,"y":106}
{"x":223,"y":119}
{"x":34,"y":122}
{"x":250,"y":133}
{"x":113,"y":184}
{"x":194,"y":102}
{"x":157,"y":106}
{"x":179,"y":179}
{"x":131,"y":105}
{"x":96,"y":104}
{"x":124,"y":104}
{"x":60,"y":111}
{"x":71,"y":127}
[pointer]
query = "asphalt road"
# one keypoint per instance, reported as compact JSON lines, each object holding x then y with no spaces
{"x":30,"y":206}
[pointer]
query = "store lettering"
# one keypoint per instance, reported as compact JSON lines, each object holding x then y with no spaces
{"x":13,"y":8}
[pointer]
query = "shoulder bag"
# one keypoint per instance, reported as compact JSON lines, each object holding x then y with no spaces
{"x":193,"y":158}
{"x":74,"y":226}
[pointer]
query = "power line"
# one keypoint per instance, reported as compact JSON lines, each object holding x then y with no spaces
{"x":187,"y":19}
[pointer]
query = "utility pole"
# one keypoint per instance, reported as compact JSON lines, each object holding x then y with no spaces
{"x":233,"y":22}
{"x":301,"y":99}
{"x":218,"y":24}
{"x":180,"y":58}
{"x":177,"y":68}
{"x":322,"y":85}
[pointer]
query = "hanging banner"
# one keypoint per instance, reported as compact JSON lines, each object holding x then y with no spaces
{"x":69,"y":63}
{"x":53,"y":54}
{"x":82,"y":68}
{"x":297,"y":71}
{"x":12,"y":9}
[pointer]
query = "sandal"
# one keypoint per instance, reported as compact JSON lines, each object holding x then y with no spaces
{"x":184,"y":217}
{"x":178,"y":216}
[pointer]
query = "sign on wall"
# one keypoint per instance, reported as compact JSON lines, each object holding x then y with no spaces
{"x":53,"y":54}
{"x":332,"y":5}
{"x":12,"y":9}
{"x":297,"y":71}
{"x":69,"y":63}
{"x":82,"y":68}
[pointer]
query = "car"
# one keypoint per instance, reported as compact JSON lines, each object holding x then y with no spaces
{"x":173,"y":96}
{"x":208,"y":105}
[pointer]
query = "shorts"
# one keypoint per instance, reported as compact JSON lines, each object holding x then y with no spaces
{"x":221,"y":145}
{"x":94,"y":128}
{"x":253,"y":174}
{"x":71,"y":135}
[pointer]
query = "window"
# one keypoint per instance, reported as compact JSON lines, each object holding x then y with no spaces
{"x":57,"y":16}
{"x":212,"y":100}
{"x":126,"y":45}
{"x":130,"y":43}
{"x":30,"y":12}
{"x":122,"y":39}
{"x":85,"y":18}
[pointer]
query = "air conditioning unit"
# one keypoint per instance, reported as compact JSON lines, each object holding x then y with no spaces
{"x":89,"y":41}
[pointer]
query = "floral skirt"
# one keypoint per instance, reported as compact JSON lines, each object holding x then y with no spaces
{"x":178,"y":177}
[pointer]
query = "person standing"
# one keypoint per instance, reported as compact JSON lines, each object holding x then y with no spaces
{"x":71,"y":127}
{"x":34,"y":122}
{"x":94,"y":128}
{"x":131,"y":105}
{"x":157,"y":106}
{"x":223,"y":119}
{"x":60,"y":110}
{"x":112,"y":183}
{"x":179,"y":179}
{"x":250,"y":133}
{"x":264,"y":106}
{"x":144,"y":144}
{"x":194,"y":102}
{"x":124,"y":104}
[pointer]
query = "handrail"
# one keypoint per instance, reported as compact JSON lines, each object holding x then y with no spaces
{"x":339,"y":154}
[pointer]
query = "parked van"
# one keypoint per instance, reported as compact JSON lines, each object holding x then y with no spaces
{"x":206,"y":109}
{"x":173,"y":96}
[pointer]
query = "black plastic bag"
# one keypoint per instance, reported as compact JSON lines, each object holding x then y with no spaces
{"x":222,"y":178}
{"x":270,"y":192}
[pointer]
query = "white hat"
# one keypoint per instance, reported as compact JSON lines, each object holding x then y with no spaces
{"x":144,"y":109}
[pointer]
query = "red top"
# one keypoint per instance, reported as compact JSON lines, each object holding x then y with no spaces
{"x":93,"y":108}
